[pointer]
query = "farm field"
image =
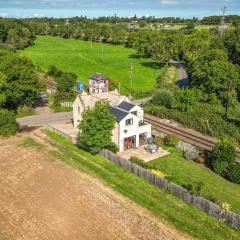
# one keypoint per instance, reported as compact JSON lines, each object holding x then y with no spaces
{"x":78,"y":57}
{"x":189,"y":172}
{"x":43,"y":198}
{"x":163,"y":204}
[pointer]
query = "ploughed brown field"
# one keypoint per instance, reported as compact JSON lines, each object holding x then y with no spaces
{"x":42,"y":198}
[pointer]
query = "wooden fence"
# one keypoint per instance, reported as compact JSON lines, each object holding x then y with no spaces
{"x":207,"y":206}
{"x":63,"y":134}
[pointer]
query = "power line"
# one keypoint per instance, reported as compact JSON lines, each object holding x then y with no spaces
{"x":223,"y":21}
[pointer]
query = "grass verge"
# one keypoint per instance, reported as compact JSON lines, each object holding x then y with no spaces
{"x":184,"y":217}
{"x":30,"y":142}
{"x":187,"y":171}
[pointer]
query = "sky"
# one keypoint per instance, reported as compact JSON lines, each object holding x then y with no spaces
{"x":124,"y":8}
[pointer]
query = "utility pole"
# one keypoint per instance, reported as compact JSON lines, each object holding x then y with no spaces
{"x":102,"y":48}
{"x":223,"y":21}
{"x":119,"y":88}
{"x":131,"y":75}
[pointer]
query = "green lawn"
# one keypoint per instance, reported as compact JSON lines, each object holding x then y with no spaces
{"x":78,"y":57}
{"x":188,"y":171}
{"x":163,"y":204}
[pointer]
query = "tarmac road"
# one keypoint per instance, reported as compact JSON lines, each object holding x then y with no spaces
{"x":42,"y":120}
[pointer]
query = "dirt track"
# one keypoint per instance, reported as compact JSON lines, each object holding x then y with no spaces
{"x":41,"y":198}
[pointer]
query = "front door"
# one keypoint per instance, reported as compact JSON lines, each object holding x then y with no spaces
{"x":129,"y":142}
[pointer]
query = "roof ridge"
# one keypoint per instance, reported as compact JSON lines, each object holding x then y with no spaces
{"x":121,"y":109}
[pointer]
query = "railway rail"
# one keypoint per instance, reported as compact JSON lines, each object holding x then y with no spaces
{"x":51,"y":85}
{"x":194,"y":138}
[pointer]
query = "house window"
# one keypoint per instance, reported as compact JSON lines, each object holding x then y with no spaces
{"x":134,"y":113}
{"x":129,"y":122}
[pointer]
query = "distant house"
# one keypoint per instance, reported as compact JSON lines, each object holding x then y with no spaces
{"x":98,"y":83}
{"x":133,"y":25}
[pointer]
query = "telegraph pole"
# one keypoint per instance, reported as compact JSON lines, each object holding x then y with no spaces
{"x":102,"y":48}
{"x":223,"y":21}
{"x":131,"y":75}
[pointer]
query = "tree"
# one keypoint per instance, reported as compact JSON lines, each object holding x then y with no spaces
{"x":21,"y":86}
{"x":65,"y":85}
{"x":163,"y":97}
{"x":219,"y":77}
{"x":223,"y":156}
{"x":96,"y":128}
{"x":8,"y":124}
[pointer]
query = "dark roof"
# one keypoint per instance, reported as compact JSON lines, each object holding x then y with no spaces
{"x":118,"y":113}
{"x":126,"y":106}
{"x":98,"y":77}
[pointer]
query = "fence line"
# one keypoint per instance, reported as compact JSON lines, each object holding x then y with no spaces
{"x":66,"y":104}
{"x":207,"y":206}
{"x":63,"y":134}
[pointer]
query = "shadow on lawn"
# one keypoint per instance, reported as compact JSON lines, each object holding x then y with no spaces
{"x":153,"y":65}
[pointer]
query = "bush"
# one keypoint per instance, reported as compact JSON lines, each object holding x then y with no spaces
{"x":113,"y":148}
{"x":163,"y":97}
{"x":223,"y":156}
{"x":8,"y":123}
{"x":158,"y":141}
{"x":233,"y":173}
{"x":200,"y":159}
{"x":171,"y":140}
{"x":139,"y":162}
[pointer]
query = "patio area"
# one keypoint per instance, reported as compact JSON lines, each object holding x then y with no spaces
{"x":141,"y":153}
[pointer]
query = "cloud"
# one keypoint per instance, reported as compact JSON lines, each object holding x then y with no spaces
{"x":3,"y":14}
{"x":169,"y":2}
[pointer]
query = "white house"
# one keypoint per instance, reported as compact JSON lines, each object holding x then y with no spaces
{"x":130,"y":131}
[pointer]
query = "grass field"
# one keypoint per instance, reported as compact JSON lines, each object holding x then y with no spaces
{"x":163,"y":204}
{"x":188,"y":171}
{"x":78,"y":57}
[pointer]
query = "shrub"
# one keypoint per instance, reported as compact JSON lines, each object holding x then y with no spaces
{"x":113,"y":148}
{"x":158,"y":141}
{"x":233,"y":173}
{"x":200,"y":159}
{"x":8,"y":123}
{"x":163,"y":97}
{"x":159,"y":173}
{"x":223,"y":156}
{"x":171,"y":140}
{"x":139,"y":162}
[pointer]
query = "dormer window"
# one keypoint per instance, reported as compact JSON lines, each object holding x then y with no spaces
{"x":134,"y":113}
{"x":129,"y":122}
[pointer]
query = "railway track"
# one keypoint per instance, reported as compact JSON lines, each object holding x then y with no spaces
{"x":51,"y":85}
{"x":206,"y":143}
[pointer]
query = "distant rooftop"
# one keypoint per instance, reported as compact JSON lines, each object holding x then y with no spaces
{"x":98,"y":77}
{"x":118,"y":113}
{"x":126,"y":106}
